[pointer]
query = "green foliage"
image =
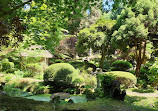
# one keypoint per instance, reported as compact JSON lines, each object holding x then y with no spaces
{"x":19,"y":73}
{"x":33,"y":69}
{"x":90,"y":80}
{"x":145,"y":71}
{"x":121,"y":65}
{"x":94,"y":36}
{"x":11,"y":70}
{"x":154,"y":74}
{"x":15,"y":92}
{"x":126,"y":78}
{"x":106,"y":65}
{"x":7,"y":65}
{"x":106,"y":81}
{"x":61,"y":72}
{"x":29,"y":60}
{"x":89,"y":94}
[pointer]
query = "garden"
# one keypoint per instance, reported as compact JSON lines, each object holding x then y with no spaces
{"x":71,"y":55}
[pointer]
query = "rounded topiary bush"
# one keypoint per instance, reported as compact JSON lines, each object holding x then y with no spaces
{"x":33,"y":69}
{"x":61,"y":73}
{"x":125,"y":78}
{"x":121,"y":65}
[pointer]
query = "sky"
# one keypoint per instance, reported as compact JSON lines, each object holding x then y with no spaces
{"x":110,"y":4}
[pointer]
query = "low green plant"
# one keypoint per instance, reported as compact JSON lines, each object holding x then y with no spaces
{"x":121,"y":65}
{"x":34,"y":69}
{"x":106,"y":81}
{"x":19,"y":73}
{"x":89,"y":79}
{"x":6,"y":65}
{"x":153,"y":77}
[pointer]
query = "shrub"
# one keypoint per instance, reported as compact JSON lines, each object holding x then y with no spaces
{"x":125,"y":78}
{"x":7,"y":65}
{"x":145,"y":72}
{"x":154,"y":74}
{"x":121,"y":65}
{"x":106,"y":65}
{"x":19,"y":73}
{"x":11,"y":70}
{"x":89,"y":79}
{"x":106,"y":81}
{"x":61,"y":73}
{"x":33,"y":69}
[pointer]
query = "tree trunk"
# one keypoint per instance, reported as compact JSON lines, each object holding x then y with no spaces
{"x":102,"y":59}
{"x":140,"y":57}
{"x":137,"y":71}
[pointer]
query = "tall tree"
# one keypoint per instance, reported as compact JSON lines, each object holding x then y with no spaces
{"x":45,"y":17}
{"x":135,"y":26}
{"x":11,"y":25}
{"x":97,"y":37}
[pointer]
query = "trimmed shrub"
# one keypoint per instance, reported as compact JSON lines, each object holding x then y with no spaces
{"x":121,"y":65}
{"x":33,"y":69}
{"x":61,"y":73}
{"x":125,"y":78}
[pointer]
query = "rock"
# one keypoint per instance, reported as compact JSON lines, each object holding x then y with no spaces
{"x":2,"y":93}
{"x":62,"y":95}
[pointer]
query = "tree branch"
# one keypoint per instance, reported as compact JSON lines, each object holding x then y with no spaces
{"x":15,"y":8}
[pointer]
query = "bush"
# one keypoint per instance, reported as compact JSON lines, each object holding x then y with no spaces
{"x":89,"y":79}
{"x":33,"y":69}
{"x":125,"y":78}
{"x":61,"y":73}
{"x":7,"y":65}
{"x":121,"y":65}
{"x":11,"y":70}
{"x":145,"y":72}
{"x":106,"y":65}
{"x":106,"y":81}
{"x":153,"y":77}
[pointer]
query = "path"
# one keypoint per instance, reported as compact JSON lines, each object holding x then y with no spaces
{"x":130,"y":93}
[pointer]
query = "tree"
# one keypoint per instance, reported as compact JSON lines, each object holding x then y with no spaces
{"x":135,"y":26}
{"x":51,"y":13}
{"x":97,"y":37}
{"x":11,"y":26}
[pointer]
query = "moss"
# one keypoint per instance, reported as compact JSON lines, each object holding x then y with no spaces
{"x":20,"y":104}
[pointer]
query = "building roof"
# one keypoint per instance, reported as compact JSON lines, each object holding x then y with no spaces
{"x":36,"y":51}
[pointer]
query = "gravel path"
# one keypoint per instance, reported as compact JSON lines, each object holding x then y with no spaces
{"x":155,"y":94}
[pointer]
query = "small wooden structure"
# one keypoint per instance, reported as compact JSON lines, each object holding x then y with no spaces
{"x":37,"y":51}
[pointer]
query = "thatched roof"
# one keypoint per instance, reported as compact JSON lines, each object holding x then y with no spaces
{"x":36,"y":51}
